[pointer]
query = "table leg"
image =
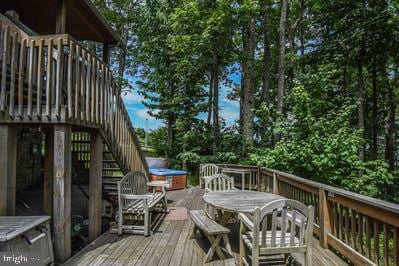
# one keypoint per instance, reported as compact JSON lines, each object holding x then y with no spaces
{"x":225,"y":218}
{"x":242,"y":181}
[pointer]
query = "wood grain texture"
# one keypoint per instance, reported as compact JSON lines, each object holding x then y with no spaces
{"x":62,"y":192}
{"x":95,"y":185}
{"x":171,"y":243}
{"x":8,"y":152}
{"x":48,"y":177}
{"x":239,"y":201}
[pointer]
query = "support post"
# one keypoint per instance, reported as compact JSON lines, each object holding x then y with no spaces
{"x":275,"y":184}
{"x":60,"y":27}
{"x":62,"y":192}
{"x":8,"y":159}
{"x":95,"y":185}
{"x":48,"y":172}
{"x":326,"y":217}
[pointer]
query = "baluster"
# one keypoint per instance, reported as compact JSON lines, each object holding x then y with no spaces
{"x":77,"y":81}
{"x":376,"y":241}
{"x":21,"y":76}
{"x":14,"y":60}
{"x":93,"y":90}
{"x":98,"y":89}
{"x":31,"y":77}
{"x":347,"y":226}
{"x":353,"y":228}
{"x":6,"y":41}
{"x":83,"y":88}
{"x":368,"y":235}
{"x":48,"y":77}
{"x":102,"y":93}
{"x":70,"y":76}
{"x":340,"y":222}
{"x":385,"y":243}
{"x":88,"y":75}
{"x":58,"y":86}
{"x":360,"y":232}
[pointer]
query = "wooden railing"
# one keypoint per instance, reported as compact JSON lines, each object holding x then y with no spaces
{"x":363,"y":229}
{"x":54,"y":79}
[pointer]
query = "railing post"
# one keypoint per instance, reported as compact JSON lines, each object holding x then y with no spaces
{"x":275,"y":184}
{"x":326,"y":217}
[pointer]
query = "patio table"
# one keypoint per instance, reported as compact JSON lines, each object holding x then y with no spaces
{"x":234,"y":201}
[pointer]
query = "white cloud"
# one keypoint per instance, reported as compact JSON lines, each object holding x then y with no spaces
{"x":132,"y":97}
{"x":230,"y":115}
{"x":142,"y":113}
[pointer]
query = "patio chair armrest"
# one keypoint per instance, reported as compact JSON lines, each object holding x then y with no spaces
{"x":246,"y":221}
{"x":137,"y":197}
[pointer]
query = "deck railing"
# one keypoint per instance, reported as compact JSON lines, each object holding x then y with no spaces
{"x":363,"y":229}
{"x":54,"y":79}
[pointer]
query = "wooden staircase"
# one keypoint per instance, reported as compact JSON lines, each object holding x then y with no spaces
{"x":111,"y":171}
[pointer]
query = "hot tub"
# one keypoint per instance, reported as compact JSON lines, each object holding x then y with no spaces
{"x":177,"y":178}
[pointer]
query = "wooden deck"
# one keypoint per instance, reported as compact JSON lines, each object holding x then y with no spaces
{"x":170,"y":243}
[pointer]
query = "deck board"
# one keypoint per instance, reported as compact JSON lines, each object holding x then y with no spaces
{"x":170,"y":244}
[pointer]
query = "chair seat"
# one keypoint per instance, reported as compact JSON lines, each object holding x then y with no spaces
{"x":137,"y":206}
{"x":248,"y":240}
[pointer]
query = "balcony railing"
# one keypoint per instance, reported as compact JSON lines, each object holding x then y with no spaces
{"x":54,"y":79}
{"x":363,"y":229}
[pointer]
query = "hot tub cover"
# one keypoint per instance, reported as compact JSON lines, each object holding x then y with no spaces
{"x":164,"y":172}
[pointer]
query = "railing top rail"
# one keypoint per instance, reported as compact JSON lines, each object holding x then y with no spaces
{"x":331,"y":190}
{"x":392,"y":207}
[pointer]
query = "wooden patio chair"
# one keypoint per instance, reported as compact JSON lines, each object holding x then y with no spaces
{"x":217,"y":182}
{"x":135,"y":200}
{"x":280,"y":227}
{"x":207,"y":170}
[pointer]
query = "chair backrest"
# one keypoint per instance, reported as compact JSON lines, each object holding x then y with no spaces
{"x":208,"y":170}
{"x":134,"y":183}
{"x":283,"y":223}
{"x":218,"y":182}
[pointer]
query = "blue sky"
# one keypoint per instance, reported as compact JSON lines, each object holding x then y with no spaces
{"x":229,"y":110}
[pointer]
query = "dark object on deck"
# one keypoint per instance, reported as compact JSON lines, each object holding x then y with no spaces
{"x":19,"y":234}
{"x":177,"y":178}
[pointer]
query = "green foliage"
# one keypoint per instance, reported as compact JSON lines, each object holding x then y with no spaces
{"x":339,"y":56}
{"x":319,"y":141}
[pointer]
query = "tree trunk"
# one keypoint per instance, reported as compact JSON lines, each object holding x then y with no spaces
{"x":281,"y":65}
{"x":360,"y":84}
{"x":281,"y":61}
{"x":210,"y":99}
{"x":360,"y":109}
{"x":248,"y":89}
{"x":266,"y":61}
{"x":374,"y":127}
{"x":169,"y":124}
{"x":390,"y":138}
{"x":215,"y":70}
{"x":301,"y":28}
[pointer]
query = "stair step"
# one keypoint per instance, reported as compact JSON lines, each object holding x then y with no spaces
{"x":112,"y":176}
{"x":108,"y":187}
{"x":104,"y":161}
{"x":89,"y":151}
{"x":112,"y":169}
{"x":111,"y":181}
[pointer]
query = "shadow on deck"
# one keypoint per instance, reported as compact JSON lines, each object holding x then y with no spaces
{"x":170,"y":243}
